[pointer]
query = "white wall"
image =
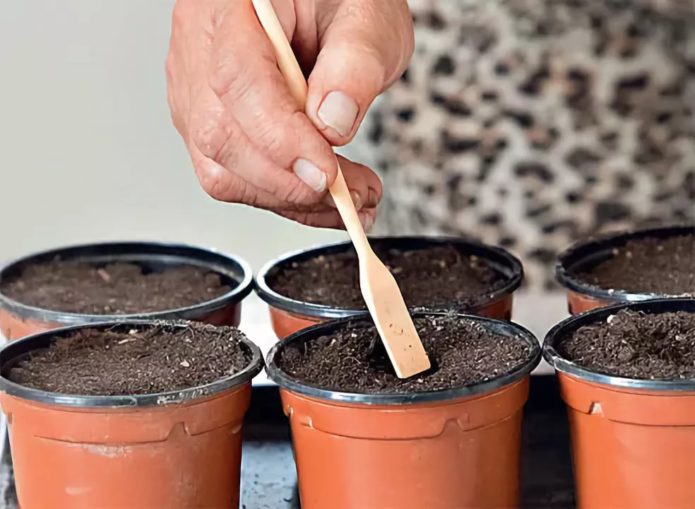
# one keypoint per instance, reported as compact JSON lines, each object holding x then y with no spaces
{"x":86,"y":145}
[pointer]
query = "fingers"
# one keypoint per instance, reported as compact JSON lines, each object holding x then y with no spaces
{"x":249,"y":142}
{"x":222,"y":184}
{"x":365,"y":186}
{"x":219,"y":137}
{"x":330,"y":219}
{"x":366,"y":46}
{"x":245,"y":77}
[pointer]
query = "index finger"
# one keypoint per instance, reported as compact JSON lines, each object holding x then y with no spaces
{"x":245,"y":76}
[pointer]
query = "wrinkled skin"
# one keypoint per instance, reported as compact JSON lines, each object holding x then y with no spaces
{"x":248,"y":139}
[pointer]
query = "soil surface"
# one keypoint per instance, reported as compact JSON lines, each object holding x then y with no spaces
{"x":636,"y":345}
{"x":651,"y":265}
{"x":353,"y":359}
{"x":115,"y":289}
{"x":140,"y":361}
{"x":437,"y":276}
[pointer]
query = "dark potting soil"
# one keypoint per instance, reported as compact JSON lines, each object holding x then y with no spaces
{"x":140,"y":361}
{"x":636,"y":345}
{"x":115,"y":289}
{"x":435,"y":276}
{"x":650,"y":265}
{"x":353,"y":359}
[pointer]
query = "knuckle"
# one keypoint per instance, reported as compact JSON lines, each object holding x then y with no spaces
{"x":279,"y":136}
{"x":208,"y":139}
{"x":227,"y":78}
{"x":211,"y":137}
{"x":217,"y":185}
{"x":271,"y":137}
{"x":299,"y":193}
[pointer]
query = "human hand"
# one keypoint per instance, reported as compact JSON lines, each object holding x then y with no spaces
{"x":248,"y":139}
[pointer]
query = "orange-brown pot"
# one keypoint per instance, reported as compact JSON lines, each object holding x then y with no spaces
{"x":633,"y":441}
{"x":180,"y":449}
{"x":289,"y":316}
{"x":18,"y":320}
{"x":445,"y":449}
{"x":583,"y":296}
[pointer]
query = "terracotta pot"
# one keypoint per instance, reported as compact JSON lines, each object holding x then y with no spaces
{"x":178,"y":449}
{"x":633,"y":441}
{"x":289,"y":316}
{"x":18,"y":320}
{"x":443,"y":449}
{"x":583,"y":296}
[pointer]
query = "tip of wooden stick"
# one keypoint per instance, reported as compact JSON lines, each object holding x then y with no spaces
{"x":404,"y":346}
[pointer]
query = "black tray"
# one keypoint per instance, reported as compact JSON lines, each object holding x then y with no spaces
{"x":268,"y":476}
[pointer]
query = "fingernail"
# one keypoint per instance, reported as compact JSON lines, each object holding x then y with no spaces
{"x":339,"y":111}
{"x":372,"y":198}
{"x":367,"y":222}
{"x":356,"y":199}
{"x":310,"y":174}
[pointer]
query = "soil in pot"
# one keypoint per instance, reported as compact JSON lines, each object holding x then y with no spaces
{"x":434,"y":276}
{"x":353,"y":359}
{"x":664,"y":266}
{"x":114,"y":289}
{"x":148,"y":360}
{"x":636,"y":345}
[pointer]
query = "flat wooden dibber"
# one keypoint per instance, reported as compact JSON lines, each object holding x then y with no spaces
{"x":379,"y":288}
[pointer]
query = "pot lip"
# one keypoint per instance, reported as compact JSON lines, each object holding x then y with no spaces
{"x":580,"y":251}
{"x":303,"y":308}
{"x":13,"y":349}
{"x":171,"y":250}
{"x":563,"y":365}
{"x":500,"y":326}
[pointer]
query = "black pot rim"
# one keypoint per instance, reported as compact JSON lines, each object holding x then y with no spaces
{"x":20,"y":347}
{"x":580,"y":251}
{"x":499,"y":326}
{"x":225,"y":264}
{"x":562,"y":329}
{"x":303,"y":308}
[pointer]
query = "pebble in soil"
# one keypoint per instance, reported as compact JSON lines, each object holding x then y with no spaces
{"x":435,"y":276}
{"x":115,"y":289}
{"x":353,"y":358}
{"x":142,"y":360}
{"x":636,"y":345}
{"x":649,"y":265}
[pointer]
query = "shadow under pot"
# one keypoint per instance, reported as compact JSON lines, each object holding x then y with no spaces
{"x":629,"y":267}
{"x":128,"y":414}
{"x":94,"y":283}
{"x":434,"y":273}
{"x":449,"y":437}
{"x":627,"y":376}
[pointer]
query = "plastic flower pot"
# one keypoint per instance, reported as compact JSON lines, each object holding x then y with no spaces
{"x":176,"y":449}
{"x":438,"y":449}
{"x":289,"y":316}
{"x":633,"y":441}
{"x":18,"y":319}
{"x":583,"y":296}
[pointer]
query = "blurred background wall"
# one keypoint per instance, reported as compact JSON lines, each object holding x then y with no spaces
{"x":88,"y":149}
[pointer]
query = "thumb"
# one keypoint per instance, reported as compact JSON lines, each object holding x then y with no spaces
{"x":366,"y":46}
